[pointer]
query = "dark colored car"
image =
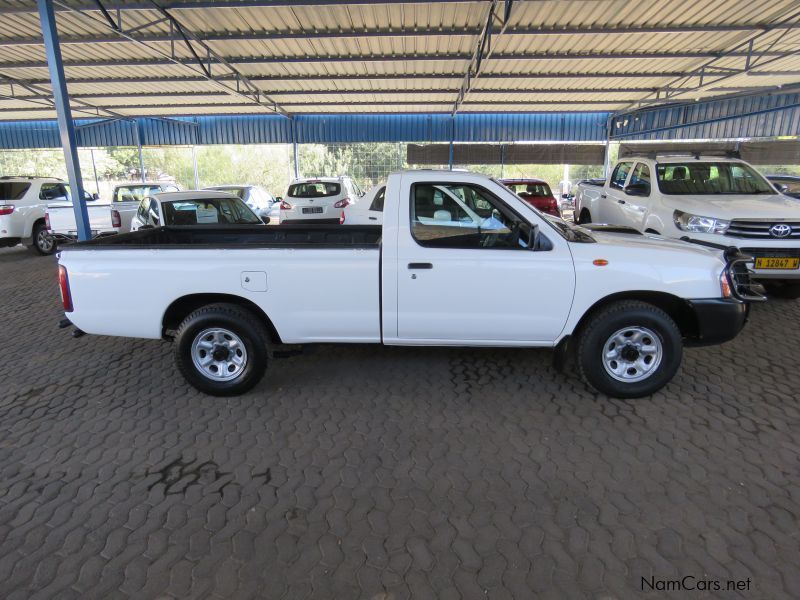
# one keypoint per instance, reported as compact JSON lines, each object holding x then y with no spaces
{"x":535,"y":192}
{"x":786,"y":184}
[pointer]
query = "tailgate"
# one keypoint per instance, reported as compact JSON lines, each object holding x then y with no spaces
{"x":62,"y":219}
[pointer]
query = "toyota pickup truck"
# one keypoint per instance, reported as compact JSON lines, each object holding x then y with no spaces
{"x":721,"y":200}
{"x":432,"y":274}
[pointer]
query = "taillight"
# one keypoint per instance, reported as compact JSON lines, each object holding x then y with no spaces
{"x":341,"y":218}
{"x":63,"y":284}
{"x":285,"y":205}
{"x":553,"y":207}
{"x":47,"y":221}
{"x":116,"y":218}
{"x":342,"y":203}
{"x":7,"y":209}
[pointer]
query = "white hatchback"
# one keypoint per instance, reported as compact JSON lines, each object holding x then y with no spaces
{"x":319,"y":200}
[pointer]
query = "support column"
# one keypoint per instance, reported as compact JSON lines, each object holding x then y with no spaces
{"x":196,"y":172}
{"x":139,"y":148}
{"x":94,"y":170}
{"x":66,"y":128}
{"x":295,"y":153}
{"x":452,"y":139}
{"x":607,"y":154}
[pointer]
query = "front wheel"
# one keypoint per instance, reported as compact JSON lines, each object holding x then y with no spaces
{"x":629,"y":349}
{"x":221,"y":349}
{"x":42,"y":242}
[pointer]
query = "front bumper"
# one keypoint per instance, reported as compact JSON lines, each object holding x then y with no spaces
{"x":718,"y":320}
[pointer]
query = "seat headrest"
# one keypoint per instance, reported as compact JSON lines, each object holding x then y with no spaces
{"x":679,"y":173}
{"x":442,"y":215}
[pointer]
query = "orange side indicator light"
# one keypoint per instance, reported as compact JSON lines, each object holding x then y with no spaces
{"x":599,"y":262}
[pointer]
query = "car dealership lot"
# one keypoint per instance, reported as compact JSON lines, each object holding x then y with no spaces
{"x":381,"y":472}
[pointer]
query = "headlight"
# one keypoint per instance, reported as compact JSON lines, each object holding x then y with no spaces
{"x":698,"y":224}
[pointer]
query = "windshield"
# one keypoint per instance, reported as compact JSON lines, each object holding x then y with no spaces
{"x":208,"y":211}
{"x":13,"y":190}
{"x":314,"y":189}
{"x":695,"y":177}
{"x":134,"y":193}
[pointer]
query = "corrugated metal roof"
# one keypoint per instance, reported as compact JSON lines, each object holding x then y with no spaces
{"x":270,"y":129}
{"x":759,"y":116}
{"x":552,"y":55}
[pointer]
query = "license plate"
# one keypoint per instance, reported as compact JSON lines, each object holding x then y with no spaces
{"x":312,"y":210}
{"x":777,"y":262}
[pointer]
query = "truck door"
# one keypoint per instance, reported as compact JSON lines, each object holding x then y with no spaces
{"x":466,"y":274}
{"x":637,"y":197}
{"x":613,"y":197}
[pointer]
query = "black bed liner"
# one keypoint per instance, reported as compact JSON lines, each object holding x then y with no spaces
{"x":242,"y":236}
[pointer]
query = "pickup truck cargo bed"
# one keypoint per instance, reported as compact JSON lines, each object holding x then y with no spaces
{"x":243,"y":236}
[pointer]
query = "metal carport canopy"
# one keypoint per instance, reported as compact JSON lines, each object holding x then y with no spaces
{"x":165,"y":58}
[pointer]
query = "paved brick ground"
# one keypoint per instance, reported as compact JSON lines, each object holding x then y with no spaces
{"x":387,"y":473}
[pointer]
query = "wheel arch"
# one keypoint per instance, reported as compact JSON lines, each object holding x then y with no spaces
{"x":677,"y":308}
{"x":182,"y":307}
{"x":654,"y":224}
{"x":30,"y":225}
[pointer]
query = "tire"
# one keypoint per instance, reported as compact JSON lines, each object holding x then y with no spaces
{"x":584,"y":217}
{"x":224,"y":329}
{"x":787,"y":290}
{"x":41,"y":240}
{"x":642,"y":321}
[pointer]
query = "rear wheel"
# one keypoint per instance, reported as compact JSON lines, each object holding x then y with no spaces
{"x":221,"y":349}
{"x":629,"y":349}
{"x":584,"y":217}
{"x":41,"y":241}
{"x":789,"y":290}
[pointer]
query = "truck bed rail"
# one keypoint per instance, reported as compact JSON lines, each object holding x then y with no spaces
{"x":241,"y":236}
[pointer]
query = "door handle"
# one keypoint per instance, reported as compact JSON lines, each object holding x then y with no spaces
{"x":621,"y":201}
{"x":420,"y":266}
{"x":603,"y":196}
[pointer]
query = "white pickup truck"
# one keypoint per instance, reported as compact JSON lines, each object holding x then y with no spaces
{"x":430,"y":275}
{"x":718,"y":200}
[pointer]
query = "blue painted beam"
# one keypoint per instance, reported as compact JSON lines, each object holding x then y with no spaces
{"x":66,"y":128}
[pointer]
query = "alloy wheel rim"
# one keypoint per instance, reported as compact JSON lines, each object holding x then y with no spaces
{"x":44,"y":240}
{"x":632,"y":354}
{"x":219,"y":354}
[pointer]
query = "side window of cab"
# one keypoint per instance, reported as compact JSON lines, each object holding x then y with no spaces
{"x":445,"y":215}
{"x":619,"y":175}
{"x":141,"y":212}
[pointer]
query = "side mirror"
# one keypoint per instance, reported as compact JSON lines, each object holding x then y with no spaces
{"x":782,"y":188}
{"x":278,"y":198}
{"x":95,"y":196}
{"x":638,"y":189}
{"x":266,"y":220}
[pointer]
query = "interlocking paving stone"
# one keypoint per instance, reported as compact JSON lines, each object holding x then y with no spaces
{"x":387,"y":473}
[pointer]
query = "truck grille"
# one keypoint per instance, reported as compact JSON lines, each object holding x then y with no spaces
{"x":744,"y":288}
{"x":761,"y":229}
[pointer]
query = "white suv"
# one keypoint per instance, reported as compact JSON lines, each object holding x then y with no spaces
{"x":318,"y":200}
{"x":23,"y":202}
